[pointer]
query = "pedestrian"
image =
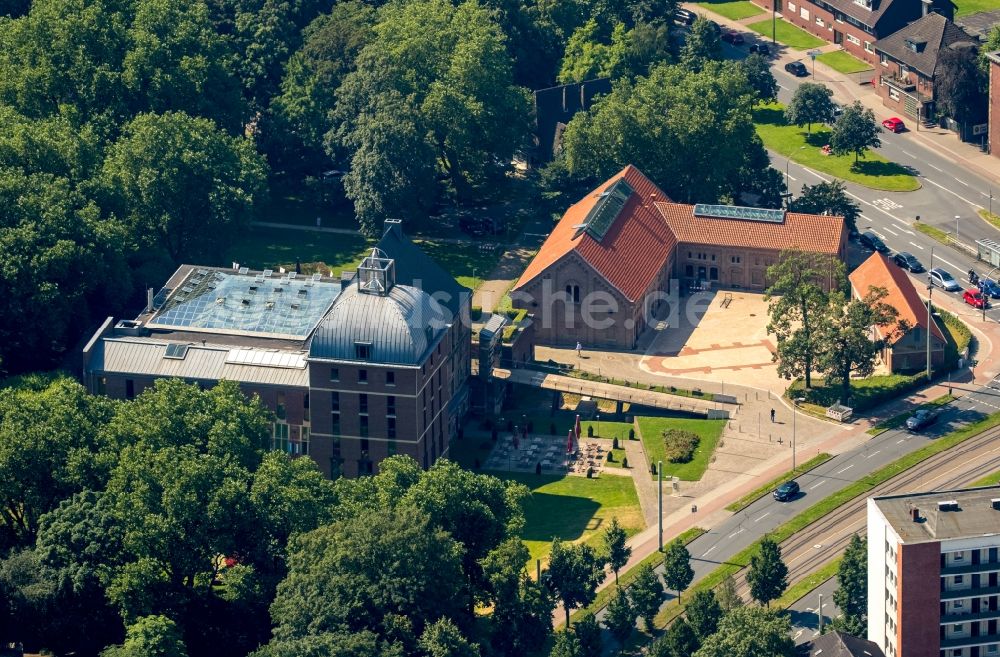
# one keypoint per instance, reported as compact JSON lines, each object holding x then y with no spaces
{"x":772,"y":415}
{"x":579,"y":349}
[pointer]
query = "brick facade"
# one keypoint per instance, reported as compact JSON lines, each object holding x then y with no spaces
{"x":907,"y":92}
{"x":994,"y":103}
{"x":918,"y":593}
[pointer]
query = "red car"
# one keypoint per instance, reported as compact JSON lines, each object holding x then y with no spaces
{"x":975,"y":299}
{"x":735,"y":38}
{"x":895,"y":124}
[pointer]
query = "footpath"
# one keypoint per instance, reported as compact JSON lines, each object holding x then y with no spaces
{"x":848,"y":88}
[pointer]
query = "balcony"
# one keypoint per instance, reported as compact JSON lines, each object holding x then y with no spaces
{"x":971,"y":568}
{"x":969,"y":641}
{"x":902,"y":84}
{"x":979,"y":592}
{"x":949,"y":619}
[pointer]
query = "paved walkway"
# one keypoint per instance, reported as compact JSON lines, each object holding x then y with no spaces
{"x":497,"y":282}
{"x":850,"y":87}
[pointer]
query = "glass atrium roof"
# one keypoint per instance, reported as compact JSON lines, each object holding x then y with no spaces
{"x":216,"y":301}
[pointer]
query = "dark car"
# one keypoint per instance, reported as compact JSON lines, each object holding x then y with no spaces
{"x":989,"y":287}
{"x":684,"y":17}
{"x":786,"y":491}
{"x":871,"y":240}
{"x":715,"y":26}
{"x":760,"y":49}
{"x":733,"y":37}
{"x":908,"y":261}
{"x":797,"y":68}
{"x":922,"y":418}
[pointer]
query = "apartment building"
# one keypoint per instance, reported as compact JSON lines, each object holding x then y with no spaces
{"x":933,"y":568}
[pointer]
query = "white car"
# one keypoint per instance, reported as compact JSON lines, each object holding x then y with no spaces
{"x":943,"y":279}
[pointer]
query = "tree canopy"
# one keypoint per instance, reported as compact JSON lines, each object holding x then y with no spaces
{"x":811,"y":103}
{"x":855,"y":131}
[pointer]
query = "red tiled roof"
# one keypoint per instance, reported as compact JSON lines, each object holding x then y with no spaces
{"x":877,"y":271}
{"x":815,"y":233}
{"x":634,"y":249}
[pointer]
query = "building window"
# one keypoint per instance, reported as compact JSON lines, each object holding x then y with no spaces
{"x":334,"y":375}
{"x":362,"y":403}
{"x":959,"y":556}
{"x":362,"y":350}
{"x":689,"y":270}
{"x":279,"y":438}
{"x":304,"y":442}
{"x":853,"y":39}
{"x":391,"y":447}
{"x":883,"y":59}
{"x":335,"y":423}
{"x":391,"y":428}
{"x":819,"y":21}
{"x":893,"y":93}
{"x":791,"y":7}
{"x":362,"y":376}
{"x":335,"y":401}
{"x":868,"y":47}
{"x":129,"y":389}
{"x":364,"y":446}
{"x":390,"y":378}
{"x":305,"y":406}
{"x":573,"y":292}
{"x":804,"y":13}
{"x":390,"y":405}
{"x":713,"y":273}
{"x":735,"y":259}
{"x":279,"y":409}
{"x":364,"y":426}
{"x":959,"y":579}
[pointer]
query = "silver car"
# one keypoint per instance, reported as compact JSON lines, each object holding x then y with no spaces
{"x":943,"y":279}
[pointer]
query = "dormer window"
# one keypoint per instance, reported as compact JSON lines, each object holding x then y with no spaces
{"x":867,"y":4}
{"x":363,"y":350}
{"x":916,"y":45}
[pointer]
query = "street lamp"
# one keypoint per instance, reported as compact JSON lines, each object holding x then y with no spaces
{"x":774,"y":21}
{"x":598,"y":425}
{"x":659,"y":483}
{"x":798,"y":400}
{"x":813,"y":54}
{"x":956,"y":226}
{"x":930,"y":296}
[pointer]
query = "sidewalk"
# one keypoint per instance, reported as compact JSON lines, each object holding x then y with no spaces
{"x":857,"y":86}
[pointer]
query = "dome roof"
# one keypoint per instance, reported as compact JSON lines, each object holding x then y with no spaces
{"x":396,"y":327}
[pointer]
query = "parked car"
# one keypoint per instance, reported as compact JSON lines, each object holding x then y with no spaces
{"x":786,"y":491}
{"x":797,"y":68}
{"x":715,"y":26}
{"x":837,"y":110}
{"x":989,"y":287}
{"x":871,"y":240}
{"x":943,"y":279}
{"x":760,"y":48}
{"x":895,"y":124}
{"x":908,"y":261}
{"x":733,"y":37}
{"x":922,"y":418}
{"x":684,"y":16}
{"x":976,"y":299}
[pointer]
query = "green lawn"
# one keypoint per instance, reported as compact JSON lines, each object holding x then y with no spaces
{"x":786,"y":33}
{"x":865,"y":393}
{"x":616,"y":460}
{"x":563,"y":420}
{"x":732,"y":9}
{"x":271,"y":248}
{"x":873,"y":171}
{"x":575,"y":508}
{"x":843,"y":62}
{"x":988,"y":480}
{"x":467,"y":262}
{"x":966,"y":7}
{"x":651,"y":431}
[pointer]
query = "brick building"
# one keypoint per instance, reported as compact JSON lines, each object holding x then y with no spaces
{"x":906,"y":352}
{"x":355,"y":369}
{"x":853,"y":24}
{"x":908,"y":62}
{"x":993,"y":120}
{"x":622,"y":252}
{"x":933,"y":563}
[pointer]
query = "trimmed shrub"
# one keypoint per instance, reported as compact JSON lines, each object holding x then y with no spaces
{"x":624,"y":461}
{"x":614,"y":443}
{"x":680,"y":445}
{"x":590,"y":431}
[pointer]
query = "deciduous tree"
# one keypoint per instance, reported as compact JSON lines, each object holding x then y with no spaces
{"x":768,"y":574}
{"x":588,"y":633}
{"x":647,"y":595}
{"x":677,"y":571}
{"x":811,"y":103}
{"x":750,"y":632}
{"x":703,"y":613}
{"x":727,"y":596}
{"x":615,"y":546}
{"x":575,"y":571}
{"x":851,"y":595}
{"x":828,"y":198}
{"x":758,"y":72}
{"x":681,"y":639}
{"x":150,"y":636}
{"x":855,"y":131}
{"x":959,"y":86}
{"x":522,"y":608}
{"x":620,"y":617}
{"x":587,"y":57}
{"x":702,"y":45}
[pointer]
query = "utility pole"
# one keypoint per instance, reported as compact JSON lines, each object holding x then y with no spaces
{"x":659,"y":482}
{"x":956,"y":226}
{"x":794,"y":413}
{"x":819,"y":613}
{"x":930,"y":295}
{"x":774,"y":21}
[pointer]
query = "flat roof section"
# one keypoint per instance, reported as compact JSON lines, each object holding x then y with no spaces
{"x":943,"y":515}
{"x":255,"y":304}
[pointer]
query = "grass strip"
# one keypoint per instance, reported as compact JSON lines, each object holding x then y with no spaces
{"x":667,"y":390}
{"x":742,"y":558}
{"x":932,"y":232}
{"x":760,"y":492}
{"x":842,"y":62}
{"x":734,"y":10}
{"x":897,"y":421}
{"x":988,"y":480}
{"x":626,"y":578}
{"x":786,"y":33}
{"x":808,"y":583}
{"x":990,"y":218}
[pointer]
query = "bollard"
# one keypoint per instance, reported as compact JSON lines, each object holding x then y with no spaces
{"x":694,"y":508}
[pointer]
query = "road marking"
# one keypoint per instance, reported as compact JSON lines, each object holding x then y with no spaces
{"x":762,"y":517}
{"x":798,"y":634}
{"x":962,"y":181}
{"x":845,"y":469}
{"x":916,"y":245}
{"x":910,"y":154}
{"x":818,"y":484}
{"x":793,"y":178}
{"x":959,"y":196}
{"x":708,"y":550}
{"x":887,"y":229}
{"x":950,"y":264}
{"x":934,"y":167}
{"x":886,"y":204}
{"x":902,"y":228}
{"x":873,"y":454}
{"x":866,"y":218}
{"x":738,"y":531}
{"x":901,"y":440}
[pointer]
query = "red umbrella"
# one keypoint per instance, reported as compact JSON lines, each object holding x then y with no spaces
{"x":577,"y":429}
{"x":569,"y":442}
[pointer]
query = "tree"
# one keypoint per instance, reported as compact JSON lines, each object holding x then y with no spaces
{"x":991,"y":44}
{"x":618,"y":551}
{"x":566,"y":645}
{"x":828,"y":198}
{"x":701,"y":46}
{"x":620,"y":617}
{"x":768,"y":574}
{"x":855,"y":131}
{"x":758,"y":72}
{"x":959,"y":86}
{"x":182,"y":185}
{"x":851,"y":595}
{"x":677,"y":571}
{"x":848,"y":348}
{"x":443,"y":639}
{"x":522,"y":608}
{"x":797,"y":304}
{"x":150,"y":636}
{"x":574,"y":571}
{"x":681,"y":639}
{"x":727,"y":596}
{"x":647,"y":594}
{"x":750,"y":632}
{"x":588,"y":633}
{"x":587,"y":57}
{"x":703,"y":613}
{"x":810,"y":104}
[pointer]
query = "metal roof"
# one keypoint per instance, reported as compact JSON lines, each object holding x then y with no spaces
{"x":398,"y":327}
{"x":145,"y":357}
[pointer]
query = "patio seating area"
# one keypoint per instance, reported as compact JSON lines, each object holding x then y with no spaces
{"x":517,"y":453}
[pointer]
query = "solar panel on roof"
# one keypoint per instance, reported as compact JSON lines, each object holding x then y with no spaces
{"x":267,"y":273}
{"x":607,"y":208}
{"x":738,"y":212}
{"x":176,"y":351}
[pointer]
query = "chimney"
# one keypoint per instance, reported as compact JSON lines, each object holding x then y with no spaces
{"x":915,"y":514}
{"x":149,"y":299}
{"x":925,"y":6}
{"x":394,"y":226}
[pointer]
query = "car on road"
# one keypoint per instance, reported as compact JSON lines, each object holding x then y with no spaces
{"x":786,"y":491}
{"x":797,"y":68}
{"x":976,"y":299}
{"x":907,"y":261}
{"x":922,"y":418}
{"x":943,"y":279}
{"x":760,"y":49}
{"x":895,"y":124}
{"x":989,"y":287}
{"x":871,"y":240}
{"x":733,"y":37}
